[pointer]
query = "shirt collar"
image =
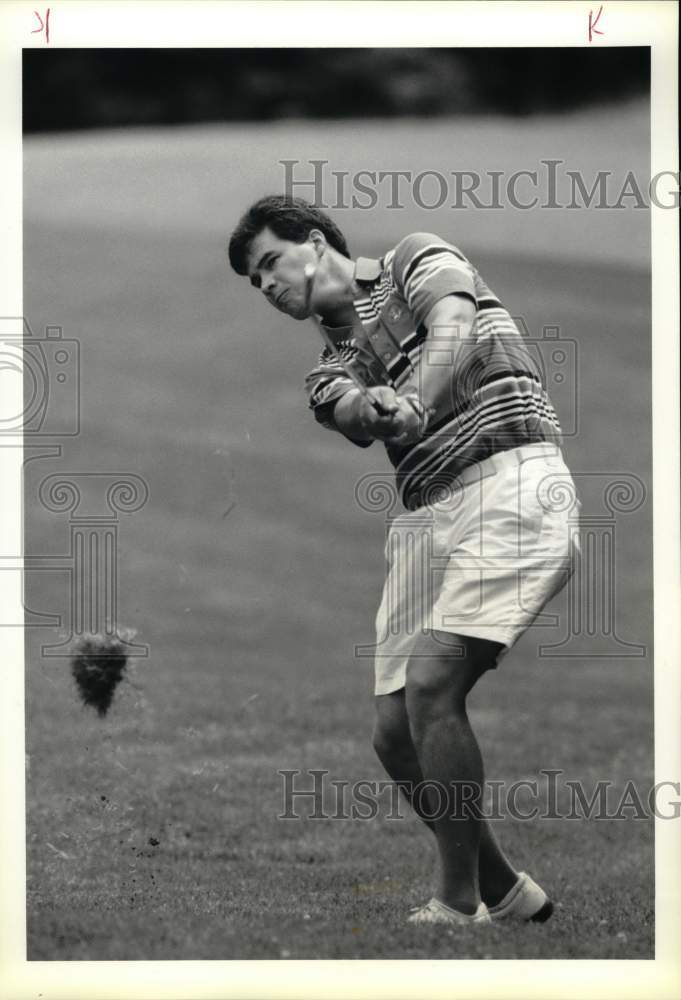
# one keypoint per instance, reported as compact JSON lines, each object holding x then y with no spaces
{"x":367,"y":271}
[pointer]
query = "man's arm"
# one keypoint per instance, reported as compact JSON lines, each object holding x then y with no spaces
{"x":326,"y":385}
{"x":449,"y":322}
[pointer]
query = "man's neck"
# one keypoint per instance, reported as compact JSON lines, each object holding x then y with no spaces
{"x":341,"y":278}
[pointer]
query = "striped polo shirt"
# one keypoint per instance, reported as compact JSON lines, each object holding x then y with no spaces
{"x":492,"y":397}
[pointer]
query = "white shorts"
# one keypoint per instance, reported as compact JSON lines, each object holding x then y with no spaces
{"x":483,"y":561}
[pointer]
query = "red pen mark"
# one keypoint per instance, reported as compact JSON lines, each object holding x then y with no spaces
{"x":593,"y":30}
{"x":44,"y":25}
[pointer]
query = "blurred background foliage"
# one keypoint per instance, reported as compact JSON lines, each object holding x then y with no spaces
{"x":66,"y":89}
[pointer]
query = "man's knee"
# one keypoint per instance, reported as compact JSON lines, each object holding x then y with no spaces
{"x":433,"y":692}
{"x":443,"y":670}
{"x":430,"y":679}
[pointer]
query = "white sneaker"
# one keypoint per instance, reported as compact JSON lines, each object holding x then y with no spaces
{"x":525,"y":901}
{"x":435,"y":912}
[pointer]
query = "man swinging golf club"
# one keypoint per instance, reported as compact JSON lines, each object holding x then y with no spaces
{"x":421,"y":355}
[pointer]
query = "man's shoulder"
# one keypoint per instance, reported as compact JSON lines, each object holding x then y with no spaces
{"x":420,"y":244}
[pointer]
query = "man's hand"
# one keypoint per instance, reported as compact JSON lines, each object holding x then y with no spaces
{"x":402,"y":422}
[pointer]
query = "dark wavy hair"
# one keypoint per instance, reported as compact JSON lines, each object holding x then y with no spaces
{"x":289,"y":219}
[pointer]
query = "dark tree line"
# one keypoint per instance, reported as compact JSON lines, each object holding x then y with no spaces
{"x":85,"y":88}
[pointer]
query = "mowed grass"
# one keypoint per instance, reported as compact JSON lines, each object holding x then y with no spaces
{"x":251,"y":574}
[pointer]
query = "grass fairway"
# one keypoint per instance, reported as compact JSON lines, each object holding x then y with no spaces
{"x":251,"y":573}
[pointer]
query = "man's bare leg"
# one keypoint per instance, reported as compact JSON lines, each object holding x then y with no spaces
{"x":443,"y":749}
{"x":395,"y":749}
{"x":441,"y":671}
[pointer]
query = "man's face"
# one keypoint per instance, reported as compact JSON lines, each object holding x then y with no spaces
{"x":277,"y":268}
